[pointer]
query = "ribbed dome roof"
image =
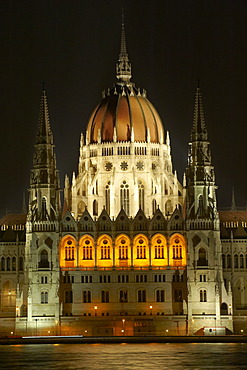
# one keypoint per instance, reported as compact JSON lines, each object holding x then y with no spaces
{"x":124,"y":114}
{"x":127,"y":111}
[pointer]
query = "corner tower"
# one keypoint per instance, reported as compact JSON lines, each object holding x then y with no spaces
{"x":42,"y":238}
{"x":206,"y":290}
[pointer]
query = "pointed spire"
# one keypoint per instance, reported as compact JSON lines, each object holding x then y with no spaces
{"x":199,"y":131}
{"x":233,"y":205}
{"x":123,"y":67}
{"x":44,"y":135}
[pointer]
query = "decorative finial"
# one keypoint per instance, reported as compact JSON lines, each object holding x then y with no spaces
{"x":123,"y":67}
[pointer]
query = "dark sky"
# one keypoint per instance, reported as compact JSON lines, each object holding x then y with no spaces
{"x":73,"y":46}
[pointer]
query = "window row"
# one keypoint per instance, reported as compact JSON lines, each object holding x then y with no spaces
{"x":123,"y":278}
{"x":123,"y":296}
{"x":124,"y":250}
{"x":10,"y":264}
{"x":236,"y":261}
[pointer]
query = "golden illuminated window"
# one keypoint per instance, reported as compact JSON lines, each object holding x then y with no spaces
{"x":141,"y":249}
{"x":159,"y":249}
{"x":123,"y":250}
{"x":87,"y":250}
{"x":177,"y":249}
{"x":105,"y":250}
{"x":69,"y":251}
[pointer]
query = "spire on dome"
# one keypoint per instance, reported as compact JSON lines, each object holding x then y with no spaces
{"x":44,"y":135}
{"x":123,"y":67}
{"x":233,"y":205}
{"x":199,"y":131}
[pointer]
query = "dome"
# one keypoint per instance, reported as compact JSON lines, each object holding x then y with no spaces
{"x":125,"y":113}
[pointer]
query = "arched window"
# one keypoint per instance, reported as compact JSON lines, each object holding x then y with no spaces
{"x":141,"y":249}
{"x":2,"y":264}
{"x":236,"y":265}
{"x":159,"y":249}
{"x":13,"y":264}
{"x":202,"y":258}
{"x":86,"y":296}
{"x":105,"y":250}
{"x":160,"y":295}
{"x":44,"y":297}
{"x":87,"y":250}
{"x":123,"y":296}
{"x":68,"y":296}
{"x":223,"y":261}
{"x":95,"y":207}
{"x":8,"y":264}
{"x":229,"y":261}
{"x":69,"y":251}
{"x":168,"y":207}
{"x":21,"y":263}
{"x":177,"y":249}
{"x":178,"y":295}
{"x":43,"y":263}
{"x":107,"y":198}
{"x":241,"y":261}
{"x":154,"y":206}
{"x":123,"y":250}
{"x":141,"y":194}
{"x":124,"y":197}
{"x":203,"y":295}
{"x":141,"y":295}
{"x":105,"y":296}
{"x":43,"y":209}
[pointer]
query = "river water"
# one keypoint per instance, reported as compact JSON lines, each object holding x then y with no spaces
{"x":124,"y":356}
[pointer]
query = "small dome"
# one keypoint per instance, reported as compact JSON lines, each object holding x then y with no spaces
{"x":127,"y":111}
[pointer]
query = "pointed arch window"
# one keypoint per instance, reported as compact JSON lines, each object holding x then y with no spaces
{"x":160,"y":295}
{"x":123,"y":296}
{"x":203,"y":295}
{"x":202,"y":258}
{"x":223,"y":261}
{"x":229,"y":261}
{"x":236,"y":264}
{"x":141,"y":295}
{"x":2,"y":264}
{"x":87,"y":250}
{"x":87,"y":296}
{"x":43,"y":263}
{"x":141,"y":249}
{"x":123,"y":250}
{"x":8,"y":264}
{"x":124,"y":197}
{"x":69,"y":251}
{"x":14,"y":264}
{"x":105,"y":250}
{"x":43,"y":209}
{"x":21,"y":263}
{"x":68,"y":295}
{"x":241,"y":261}
{"x":95,"y":207}
{"x":159,"y":249}
{"x":177,"y":249}
{"x":105,"y":296}
{"x":44,"y":297}
{"x":107,"y":198}
{"x":154,"y":206}
{"x":141,"y":194}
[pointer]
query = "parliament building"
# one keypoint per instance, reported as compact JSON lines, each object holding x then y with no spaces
{"x":131,"y":251}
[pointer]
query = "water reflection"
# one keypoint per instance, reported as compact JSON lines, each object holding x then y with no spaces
{"x":124,"y":356}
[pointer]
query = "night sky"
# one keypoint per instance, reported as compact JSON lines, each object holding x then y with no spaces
{"x":73,"y":46}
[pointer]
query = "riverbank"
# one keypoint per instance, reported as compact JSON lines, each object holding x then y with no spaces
{"x":123,"y":339}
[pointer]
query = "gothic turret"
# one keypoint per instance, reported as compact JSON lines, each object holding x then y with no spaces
{"x":201,"y":198}
{"x":44,"y":203}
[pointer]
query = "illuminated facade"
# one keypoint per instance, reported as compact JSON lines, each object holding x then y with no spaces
{"x":133,"y":252}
